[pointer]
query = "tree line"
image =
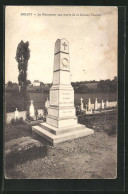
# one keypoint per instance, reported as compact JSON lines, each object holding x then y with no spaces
{"x":99,"y":86}
{"x":79,"y":87}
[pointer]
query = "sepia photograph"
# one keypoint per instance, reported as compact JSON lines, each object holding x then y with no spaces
{"x":61,"y":92}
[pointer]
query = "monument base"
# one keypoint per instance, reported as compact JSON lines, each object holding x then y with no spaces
{"x":57,"y":135}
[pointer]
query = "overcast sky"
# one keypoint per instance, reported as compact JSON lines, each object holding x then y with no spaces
{"x":92,"y":41}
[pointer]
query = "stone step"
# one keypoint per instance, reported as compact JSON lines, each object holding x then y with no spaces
{"x":58,"y":131}
{"x":54,"y":139}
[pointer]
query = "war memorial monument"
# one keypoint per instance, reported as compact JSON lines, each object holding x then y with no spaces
{"x":61,"y":122}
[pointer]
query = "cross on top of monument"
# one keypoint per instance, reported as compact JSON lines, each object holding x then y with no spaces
{"x":64,"y":44}
{"x":61,"y":45}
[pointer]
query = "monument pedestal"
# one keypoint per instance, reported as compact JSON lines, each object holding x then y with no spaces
{"x":56,"y":135}
{"x":61,"y":122}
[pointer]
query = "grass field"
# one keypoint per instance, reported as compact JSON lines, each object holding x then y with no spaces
{"x":13,"y":101}
{"x":40,"y":98}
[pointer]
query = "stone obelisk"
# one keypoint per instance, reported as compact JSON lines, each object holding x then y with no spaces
{"x":61,"y":122}
{"x":61,"y":112}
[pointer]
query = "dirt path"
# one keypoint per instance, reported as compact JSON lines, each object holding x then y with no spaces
{"x":30,"y":156}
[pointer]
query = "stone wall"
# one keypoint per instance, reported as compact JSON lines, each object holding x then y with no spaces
{"x":92,"y":106}
{"x":11,"y":115}
{"x":100,"y":105}
{"x":112,"y":104}
{"x":22,"y":114}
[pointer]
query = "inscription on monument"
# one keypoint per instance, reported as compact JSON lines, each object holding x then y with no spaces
{"x":67,"y":112}
{"x":66,"y":97}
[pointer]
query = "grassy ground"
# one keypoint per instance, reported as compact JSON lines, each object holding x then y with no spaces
{"x":40,"y":99}
{"x":28,"y":155}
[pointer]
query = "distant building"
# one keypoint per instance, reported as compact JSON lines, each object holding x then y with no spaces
{"x":36,"y":83}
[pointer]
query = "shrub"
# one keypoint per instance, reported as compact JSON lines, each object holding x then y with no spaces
{"x":31,"y":118}
{"x":12,"y":121}
{"x":40,"y":118}
{"x":45,"y":112}
{"x":17,"y":121}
